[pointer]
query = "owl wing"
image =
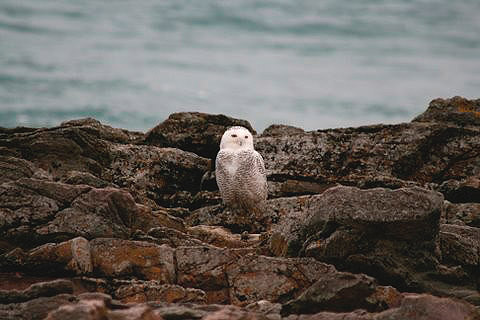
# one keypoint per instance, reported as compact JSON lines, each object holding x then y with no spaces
{"x":252,"y":175}
{"x":222,"y":175}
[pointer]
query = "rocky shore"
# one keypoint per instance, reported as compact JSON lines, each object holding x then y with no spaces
{"x":375,"y":222}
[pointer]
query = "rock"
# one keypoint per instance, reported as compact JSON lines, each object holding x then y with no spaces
{"x":253,"y":278}
{"x":281,"y":129}
{"x":138,"y":312}
{"x":168,"y":236}
{"x":343,"y":292}
{"x":146,"y":219}
{"x":460,"y":244}
{"x":388,"y":234}
{"x":462,"y":214}
{"x":204,"y":267}
{"x":34,"y":211}
{"x":461,"y":191}
{"x":426,"y":307}
{"x":457,"y":110}
{"x":37,"y":290}
{"x":105,"y":212}
{"x":73,"y":256}
{"x":231,"y":312}
{"x":120,"y":258}
{"x":80,"y":145}
{"x":193,"y":131}
{"x":138,"y":291}
{"x":391,"y":156}
{"x":84,"y":310}
{"x":78,"y":177}
{"x":223,"y":238}
{"x":12,"y":169}
{"x":36,"y":309}
{"x":155,"y":175}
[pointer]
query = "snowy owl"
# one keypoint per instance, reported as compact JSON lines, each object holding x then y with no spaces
{"x":240,"y":171}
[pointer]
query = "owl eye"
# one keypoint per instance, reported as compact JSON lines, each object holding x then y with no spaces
{"x":246,"y":137}
{"x":234,"y":135}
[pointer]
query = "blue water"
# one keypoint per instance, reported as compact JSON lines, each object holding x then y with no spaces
{"x":312,"y":64}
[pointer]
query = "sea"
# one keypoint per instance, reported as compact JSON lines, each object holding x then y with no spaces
{"x":313,"y":64}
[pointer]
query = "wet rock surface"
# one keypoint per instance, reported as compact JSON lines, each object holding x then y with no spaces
{"x":375,"y":222}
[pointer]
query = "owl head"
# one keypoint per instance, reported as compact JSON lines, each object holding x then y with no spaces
{"x":237,"y":138}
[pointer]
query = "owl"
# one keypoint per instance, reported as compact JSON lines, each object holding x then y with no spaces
{"x":240,"y":171}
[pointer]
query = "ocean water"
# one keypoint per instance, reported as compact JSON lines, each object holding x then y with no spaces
{"x":313,"y":64}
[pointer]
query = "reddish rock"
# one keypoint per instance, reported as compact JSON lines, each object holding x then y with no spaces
{"x":131,"y":291}
{"x":119,"y":258}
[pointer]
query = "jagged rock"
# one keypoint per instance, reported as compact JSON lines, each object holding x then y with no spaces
{"x":252,"y":278}
{"x":37,"y":290}
{"x":204,"y":267}
{"x":138,"y":291}
{"x":72,"y":256}
{"x":343,"y":292}
{"x":36,"y":309}
{"x":146,"y":219}
{"x":193,"y":131}
{"x":64,"y":189}
{"x":388,"y":234}
{"x":239,"y":221}
{"x":83,"y":310}
{"x":78,"y":177}
{"x":12,"y":169}
{"x":105,"y":212}
{"x":426,"y":307}
{"x":462,"y":191}
{"x":85,"y":151}
{"x":34,"y":211}
{"x":281,"y":129}
{"x":457,"y":110}
{"x":233,"y":313}
{"x":155,"y":175}
{"x":462,"y":214}
{"x":460,"y":244}
{"x":223,"y":238}
{"x":390,"y":156}
{"x":118,"y":258}
{"x":171,"y":237}
{"x":80,"y":145}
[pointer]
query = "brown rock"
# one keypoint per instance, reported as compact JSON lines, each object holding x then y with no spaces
{"x":105,"y":212}
{"x":137,"y":291}
{"x":223,"y":238}
{"x":252,"y":278}
{"x":462,"y":214}
{"x":461,"y":191}
{"x":427,"y":307}
{"x":36,"y":309}
{"x":72,"y":256}
{"x":37,"y":290}
{"x":457,"y":111}
{"x":193,"y":131}
{"x":460,"y":244}
{"x":117,"y":258}
{"x":155,"y":175}
{"x":334,"y":291}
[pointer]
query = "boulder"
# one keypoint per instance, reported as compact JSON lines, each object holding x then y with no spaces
{"x":462,"y":214}
{"x":120,"y":258}
{"x":457,"y":111}
{"x":193,"y":131}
